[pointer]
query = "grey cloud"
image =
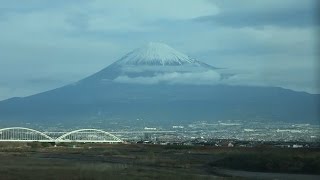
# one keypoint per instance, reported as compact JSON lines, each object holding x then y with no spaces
{"x":286,"y":18}
{"x":246,"y":13}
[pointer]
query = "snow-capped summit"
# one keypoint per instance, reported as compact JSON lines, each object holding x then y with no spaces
{"x":151,"y":60}
{"x":155,"y":54}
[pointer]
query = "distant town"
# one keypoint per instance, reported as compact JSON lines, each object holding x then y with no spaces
{"x":221,"y":133}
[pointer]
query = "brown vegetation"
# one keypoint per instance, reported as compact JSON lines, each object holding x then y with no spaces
{"x":138,"y":161}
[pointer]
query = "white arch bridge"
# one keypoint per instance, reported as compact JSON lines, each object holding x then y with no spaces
{"x":21,"y":134}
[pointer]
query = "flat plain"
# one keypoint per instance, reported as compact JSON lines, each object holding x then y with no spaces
{"x":141,"y":161}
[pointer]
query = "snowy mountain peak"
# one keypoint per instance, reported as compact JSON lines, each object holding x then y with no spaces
{"x":155,"y":54}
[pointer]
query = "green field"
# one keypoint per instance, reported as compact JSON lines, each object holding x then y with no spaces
{"x":138,"y":161}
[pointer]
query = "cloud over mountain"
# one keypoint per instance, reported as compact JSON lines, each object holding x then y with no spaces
{"x":198,"y":78}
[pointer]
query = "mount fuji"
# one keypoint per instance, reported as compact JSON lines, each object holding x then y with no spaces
{"x":156,"y":61}
{"x":156,"y":84}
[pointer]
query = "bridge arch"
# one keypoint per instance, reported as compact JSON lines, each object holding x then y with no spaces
{"x":89,"y":135}
{"x":23,"y":134}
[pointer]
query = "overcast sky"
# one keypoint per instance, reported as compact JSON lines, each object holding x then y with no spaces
{"x":45,"y":44}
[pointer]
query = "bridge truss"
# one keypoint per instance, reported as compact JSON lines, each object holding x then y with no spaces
{"x":21,"y":134}
{"x":88,"y":135}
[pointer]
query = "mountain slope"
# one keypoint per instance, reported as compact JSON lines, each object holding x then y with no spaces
{"x":176,"y":96}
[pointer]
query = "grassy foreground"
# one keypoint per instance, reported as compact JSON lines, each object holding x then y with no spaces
{"x":137,"y":161}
